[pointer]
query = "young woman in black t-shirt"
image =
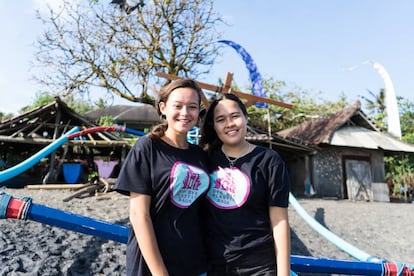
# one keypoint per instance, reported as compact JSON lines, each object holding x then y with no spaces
{"x":246,"y":219}
{"x":165,"y":177}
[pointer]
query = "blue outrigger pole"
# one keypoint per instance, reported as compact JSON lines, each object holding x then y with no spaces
{"x":23,"y":208}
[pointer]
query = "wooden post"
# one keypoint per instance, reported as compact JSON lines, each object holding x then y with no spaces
{"x":227,"y":82}
{"x":269,"y":127}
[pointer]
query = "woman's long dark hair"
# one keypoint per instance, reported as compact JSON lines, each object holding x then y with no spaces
{"x":159,"y":130}
{"x":209,"y":139}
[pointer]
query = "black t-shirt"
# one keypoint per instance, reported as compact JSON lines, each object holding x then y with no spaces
{"x":177,"y":180}
{"x":237,"y":224}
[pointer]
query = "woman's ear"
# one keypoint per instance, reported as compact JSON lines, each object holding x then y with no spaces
{"x":161,"y":107}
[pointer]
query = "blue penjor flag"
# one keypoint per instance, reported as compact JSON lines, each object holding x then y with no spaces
{"x":255,"y":77}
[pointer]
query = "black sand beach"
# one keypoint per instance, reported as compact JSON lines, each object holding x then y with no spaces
{"x":384,"y":230}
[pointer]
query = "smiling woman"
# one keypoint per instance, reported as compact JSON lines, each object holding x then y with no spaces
{"x":166,"y":178}
{"x":250,"y":190}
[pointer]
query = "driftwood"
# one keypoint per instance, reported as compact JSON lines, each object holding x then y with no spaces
{"x":99,"y":188}
{"x":88,"y":189}
{"x":103,"y":186}
{"x":56,"y":186}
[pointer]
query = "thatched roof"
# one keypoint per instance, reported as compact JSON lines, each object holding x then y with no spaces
{"x":44,"y":124}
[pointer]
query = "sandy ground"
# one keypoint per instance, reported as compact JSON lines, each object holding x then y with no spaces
{"x":384,"y":230}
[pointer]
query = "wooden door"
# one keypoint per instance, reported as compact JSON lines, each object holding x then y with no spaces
{"x":358,"y":179}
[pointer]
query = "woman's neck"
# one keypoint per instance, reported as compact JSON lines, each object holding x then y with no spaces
{"x":236,"y":150}
{"x":176,"y":141}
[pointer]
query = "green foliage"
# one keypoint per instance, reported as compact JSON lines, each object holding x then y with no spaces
{"x":100,"y":103}
{"x":375,"y":108}
{"x":304,"y":107}
{"x":401,"y":172}
{"x":106,"y":121}
{"x":375,"y":104}
{"x":406,"y":110}
{"x":79,"y":105}
{"x":399,"y":169}
{"x":5,"y":116}
{"x":92,"y":176}
{"x":41,"y":98}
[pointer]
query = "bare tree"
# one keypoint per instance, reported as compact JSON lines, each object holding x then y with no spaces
{"x":92,"y":45}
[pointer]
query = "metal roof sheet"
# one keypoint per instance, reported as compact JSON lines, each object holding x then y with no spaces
{"x":359,"y":137}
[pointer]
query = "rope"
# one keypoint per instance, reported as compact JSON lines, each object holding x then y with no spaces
{"x":398,"y":269}
{"x":26,"y":207}
{"x":25,"y":203}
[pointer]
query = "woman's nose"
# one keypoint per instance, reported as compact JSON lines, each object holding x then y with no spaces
{"x":229,"y":122}
{"x":184,"y":110}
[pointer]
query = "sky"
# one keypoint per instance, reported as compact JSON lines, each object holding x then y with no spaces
{"x":320,"y":46}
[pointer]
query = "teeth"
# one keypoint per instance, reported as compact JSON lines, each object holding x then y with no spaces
{"x":231,"y":131}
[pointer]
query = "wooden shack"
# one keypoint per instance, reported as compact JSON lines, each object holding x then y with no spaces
{"x":28,"y":133}
{"x":348,"y":157}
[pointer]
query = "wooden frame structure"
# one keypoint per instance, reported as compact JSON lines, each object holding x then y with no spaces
{"x":226,"y":88}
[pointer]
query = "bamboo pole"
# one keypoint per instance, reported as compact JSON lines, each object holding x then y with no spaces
{"x":56,"y":186}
